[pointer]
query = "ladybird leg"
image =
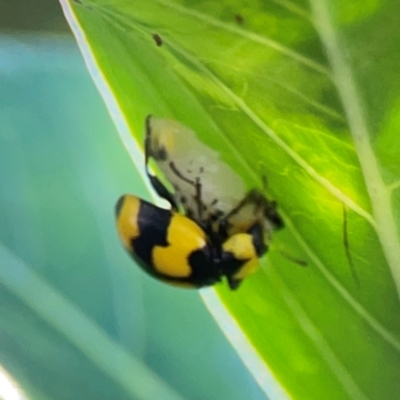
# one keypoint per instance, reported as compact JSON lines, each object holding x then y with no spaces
{"x":295,"y":260}
{"x":272,"y":214}
{"x":223,"y":227}
{"x":270,"y":209}
{"x":234,"y":283}
{"x":162,"y":191}
{"x":160,"y":188}
{"x":256,"y":232}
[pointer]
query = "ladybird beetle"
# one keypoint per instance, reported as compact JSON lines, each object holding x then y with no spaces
{"x":209,"y":233}
{"x":175,"y":249}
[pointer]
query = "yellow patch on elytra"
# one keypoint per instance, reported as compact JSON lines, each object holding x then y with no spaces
{"x":127,"y":221}
{"x":241,"y":246}
{"x":184,"y":237}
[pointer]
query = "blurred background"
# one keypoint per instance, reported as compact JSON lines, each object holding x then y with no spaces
{"x":62,"y":169}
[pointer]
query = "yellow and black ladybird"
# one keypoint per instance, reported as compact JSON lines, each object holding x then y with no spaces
{"x":214,"y":229}
{"x":175,"y":249}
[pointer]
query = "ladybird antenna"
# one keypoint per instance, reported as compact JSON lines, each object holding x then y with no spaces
{"x":347,"y":247}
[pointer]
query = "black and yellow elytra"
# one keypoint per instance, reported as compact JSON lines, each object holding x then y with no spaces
{"x":173,"y":248}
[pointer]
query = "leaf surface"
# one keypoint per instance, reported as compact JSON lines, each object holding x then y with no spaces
{"x":305,"y":95}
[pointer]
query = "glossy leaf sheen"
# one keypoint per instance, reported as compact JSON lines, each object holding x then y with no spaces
{"x":307,"y":95}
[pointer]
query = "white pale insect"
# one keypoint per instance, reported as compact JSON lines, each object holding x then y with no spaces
{"x":206,"y":188}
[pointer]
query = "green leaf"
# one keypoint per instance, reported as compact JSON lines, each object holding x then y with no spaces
{"x":306,"y":95}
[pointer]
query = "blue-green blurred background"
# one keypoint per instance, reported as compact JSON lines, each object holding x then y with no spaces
{"x":62,"y":168}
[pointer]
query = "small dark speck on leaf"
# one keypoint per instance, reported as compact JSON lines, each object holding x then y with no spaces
{"x":239,"y":19}
{"x":157,"y":39}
